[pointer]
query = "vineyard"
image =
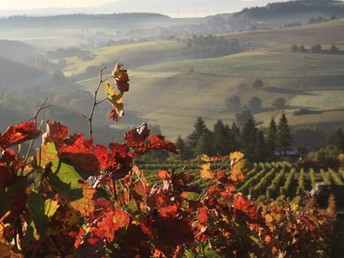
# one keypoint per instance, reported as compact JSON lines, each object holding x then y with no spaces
{"x":263,"y":181}
{"x":71,"y":197}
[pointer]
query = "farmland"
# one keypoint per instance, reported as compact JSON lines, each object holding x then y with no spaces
{"x":189,"y":87}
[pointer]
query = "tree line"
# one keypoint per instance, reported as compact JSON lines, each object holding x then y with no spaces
{"x":245,"y":137}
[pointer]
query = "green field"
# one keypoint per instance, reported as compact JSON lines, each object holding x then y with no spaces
{"x":171,"y":89}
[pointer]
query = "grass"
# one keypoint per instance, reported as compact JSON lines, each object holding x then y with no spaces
{"x":123,"y":53}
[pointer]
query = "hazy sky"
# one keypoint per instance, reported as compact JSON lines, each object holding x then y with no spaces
{"x":38,"y":4}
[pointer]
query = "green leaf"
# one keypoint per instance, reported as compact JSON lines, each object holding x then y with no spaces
{"x":189,"y":254}
{"x":36,"y":204}
{"x":191,"y":196}
{"x":50,"y":207}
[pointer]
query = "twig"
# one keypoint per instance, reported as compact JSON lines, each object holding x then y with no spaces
{"x":42,"y":107}
{"x":95,"y":103}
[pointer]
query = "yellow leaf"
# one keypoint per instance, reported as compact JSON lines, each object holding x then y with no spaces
{"x":206,"y":172}
{"x":109,"y":89}
{"x":236,"y":156}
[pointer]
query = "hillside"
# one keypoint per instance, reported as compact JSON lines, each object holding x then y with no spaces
{"x":16,"y":50}
{"x":286,"y":14}
{"x":174,"y":93}
{"x":82,"y":20}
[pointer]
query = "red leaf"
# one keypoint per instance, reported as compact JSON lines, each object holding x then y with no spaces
{"x":157,"y":142}
{"x":9,"y":164}
{"x":121,"y":78}
{"x":163,"y":174}
{"x":111,"y":222}
{"x":202,"y":216}
{"x":18,"y":134}
{"x":80,"y":153}
{"x":136,"y":137}
{"x":243,"y":206}
{"x":170,"y":211}
{"x":55,"y":131}
{"x":121,"y":160}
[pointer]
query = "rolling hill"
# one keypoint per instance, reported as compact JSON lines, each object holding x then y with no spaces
{"x":173,"y":93}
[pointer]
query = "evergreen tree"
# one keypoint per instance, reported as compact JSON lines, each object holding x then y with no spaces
{"x":272,"y":137}
{"x":183,"y":149}
{"x":204,"y":144}
{"x":221,"y":141}
{"x":261,"y":152}
{"x":235,"y":138}
{"x":337,"y":140}
{"x":200,"y":128}
{"x":284,"y":135}
{"x":248,"y":139}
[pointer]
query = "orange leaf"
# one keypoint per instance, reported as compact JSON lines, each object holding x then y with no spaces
{"x":206,"y":173}
{"x":163,"y":174}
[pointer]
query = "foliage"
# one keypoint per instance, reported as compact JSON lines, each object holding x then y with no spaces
{"x":233,"y":103}
{"x":258,"y":84}
{"x":278,"y":103}
{"x":284,"y":135}
{"x":76,"y":198}
{"x":254,"y":104}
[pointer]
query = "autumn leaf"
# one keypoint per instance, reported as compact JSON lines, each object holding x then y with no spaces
{"x":109,"y":90}
{"x":110,"y":223}
{"x":169,"y":211}
{"x":237,"y":175}
{"x":202,"y":216}
{"x":163,"y":174}
{"x":121,"y":77}
{"x":244,"y":206}
{"x":55,"y":132}
{"x":206,"y":172}
{"x":157,"y":142}
{"x":18,"y":134}
{"x":237,"y":159}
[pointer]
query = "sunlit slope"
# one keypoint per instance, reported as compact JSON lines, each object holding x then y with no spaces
{"x":135,"y":54}
{"x":174,"y":93}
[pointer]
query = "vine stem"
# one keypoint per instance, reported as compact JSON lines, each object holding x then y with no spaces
{"x":95,"y":103}
{"x":42,"y":107}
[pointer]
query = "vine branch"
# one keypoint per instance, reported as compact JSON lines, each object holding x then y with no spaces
{"x":95,"y":103}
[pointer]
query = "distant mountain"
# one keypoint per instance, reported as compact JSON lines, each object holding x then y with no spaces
{"x":298,"y":11}
{"x":189,"y":8}
{"x":82,"y":20}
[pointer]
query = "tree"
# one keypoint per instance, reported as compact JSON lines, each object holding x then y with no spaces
{"x":248,"y":138}
{"x":333,"y":50}
{"x":316,"y":49}
{"x":254,"y":104}
{"x":204,"y":145}
{"x":222,"y":138}
{"x":284,"y":135}
{"x":302,"y":49}
{"x":337,"y":140}
{"x":233,"y":103}
{"x":294,"y":48}
{"x":278,"y":103}
{"x":261,"y":151}
{"x":257,"y":84}
{"x":272,"y":137}
{"x":235,"y":137}
{"x":200,"y":128}
{"x":243,"y":117}
{"x":183,"y":149}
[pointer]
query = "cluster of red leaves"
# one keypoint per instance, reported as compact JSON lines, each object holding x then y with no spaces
{"x":121,"y":79}
{"x":125,"y":214}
